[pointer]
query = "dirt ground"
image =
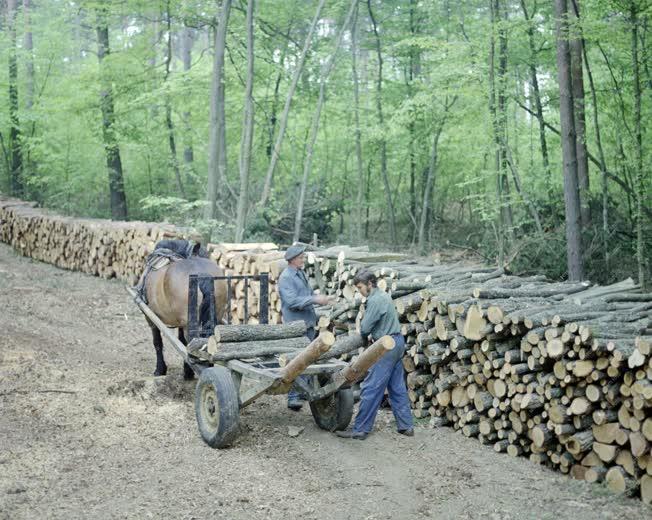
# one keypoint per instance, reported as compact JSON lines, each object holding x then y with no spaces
{"x":87,"y":432}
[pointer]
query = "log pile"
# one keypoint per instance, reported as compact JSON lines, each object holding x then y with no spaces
{"x":103,"y":248}
{"x":251,"y":341}
{"x":558,"y":372}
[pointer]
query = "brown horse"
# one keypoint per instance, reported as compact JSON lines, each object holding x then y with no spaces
{"x":166,"y":292}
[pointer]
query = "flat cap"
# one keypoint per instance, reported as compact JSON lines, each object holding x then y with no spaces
{"x":294,"y":251}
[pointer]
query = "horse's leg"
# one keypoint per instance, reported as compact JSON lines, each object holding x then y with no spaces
{"x":188,"y":373}
{"x":161,"y":367}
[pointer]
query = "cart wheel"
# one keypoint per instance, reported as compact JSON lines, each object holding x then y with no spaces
{"x":217,"y":407}
{"x":334,"y":412}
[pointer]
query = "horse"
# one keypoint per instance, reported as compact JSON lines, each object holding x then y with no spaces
{"x":165,"y":289}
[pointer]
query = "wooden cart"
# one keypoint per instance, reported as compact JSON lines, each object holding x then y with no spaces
{"x":223,"y":388}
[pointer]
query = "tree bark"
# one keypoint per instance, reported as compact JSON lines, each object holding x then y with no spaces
{"x":430,"y":180}
{"x":168,"y":106}
{"x":279,"y":77}
{"x":286,"y":109}
{"x":577,"y":78}
{"x":638,"y":147}
{"x":111,"y":148}
{"x":188,"y":152}
{"x":602,"y":163}
{"x":29,"y":52}
{"x":568,"y":141}
{"x":15,"y":149}
{"x":534,"y":82}
{"x":497,"y":111}
{"x":356,"y":119}
{"x":217,"y":132}
{"x":247,"y":129}
{"x":260,"y":332}
{"x":325,"y":73}
{"x":381,"y":123}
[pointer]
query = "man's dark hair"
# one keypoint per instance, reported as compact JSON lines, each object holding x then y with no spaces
{"x":365,"y":276}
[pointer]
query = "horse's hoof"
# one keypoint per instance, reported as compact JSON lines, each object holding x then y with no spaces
{"x":158,"y":372}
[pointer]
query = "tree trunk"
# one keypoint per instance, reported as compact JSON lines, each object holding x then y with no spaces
{"x":356,"y":118}
{"x":534,"y":82}
{"x":111,"y":148}
{"x":504,"y":189}
{"x":29,"y":53}
{"x":277,"y":85}
{"x":188,"y":152}
{"x":286,"y":109}
{"x":638,"y":147}
{"x":577,"y":79}
{"x":247,"y":129}
{"x":498,"y":130}
{"x":568,"y":142}
{"x":325,"y":73}
{"x":217,"y":131}
{"x":430,"y":179}
{"x":15,"y":149}
{"x":168,"y":107}
{"x":412,"y":68}
{"x":602,"y":161}
{"x":381,"y":123}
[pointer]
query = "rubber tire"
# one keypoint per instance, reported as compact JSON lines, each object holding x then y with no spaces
{"x":217,"y":407}
{"x":334,"y":412}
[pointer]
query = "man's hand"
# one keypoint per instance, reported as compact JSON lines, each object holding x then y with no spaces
{"x":320,"y":299}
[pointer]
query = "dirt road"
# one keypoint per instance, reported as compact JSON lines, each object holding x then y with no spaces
{"x":86,"y":432}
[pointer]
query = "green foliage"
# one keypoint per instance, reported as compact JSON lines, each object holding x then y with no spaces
{"x":432,"y":52}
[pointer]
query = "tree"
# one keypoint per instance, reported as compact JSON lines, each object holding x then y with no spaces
{"x":381,"y":124}
{"x":286,"y":109}
{"x":15,"y":145}
{"x":247,"y":128}
{"x":325,"y":74}
{"x":577,"y":80}
{"x":356,"y":122}
{"x":168,"y":104}
{"x":638,"y":143}
{"x":217,"y":161}
{"x":111,"y":148}
{"x":186,"y":50}
{"x":568,"y":144}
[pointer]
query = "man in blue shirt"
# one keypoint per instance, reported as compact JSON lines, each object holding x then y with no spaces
{"x":297,"y":302}
{"x":381,"y":319}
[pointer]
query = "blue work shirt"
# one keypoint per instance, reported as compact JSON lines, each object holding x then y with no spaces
{"x":297,"y":299}
{"x":380,"y":316}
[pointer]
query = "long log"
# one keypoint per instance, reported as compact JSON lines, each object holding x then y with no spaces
{"x":343,"y":345}
{"x":259,"y":332}
{"x":359,"y":367}
{"x":307,"y":356}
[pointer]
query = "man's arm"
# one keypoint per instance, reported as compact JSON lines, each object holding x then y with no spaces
{"x":290,"y":295}
{"x":371,"y":317}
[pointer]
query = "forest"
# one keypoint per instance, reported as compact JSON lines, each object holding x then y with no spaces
{"x":515,"y":130}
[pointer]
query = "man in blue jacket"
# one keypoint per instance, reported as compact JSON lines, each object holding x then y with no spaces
{"x":297,"y":302}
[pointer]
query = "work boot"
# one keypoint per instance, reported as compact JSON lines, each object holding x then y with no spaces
{"x":350,"y":434}
{"x":294,"y":404}
{"x":407,"y":433}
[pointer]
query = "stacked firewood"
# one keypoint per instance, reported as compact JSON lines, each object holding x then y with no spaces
{"x":103,"y":248}
{"x":558,"y":372}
